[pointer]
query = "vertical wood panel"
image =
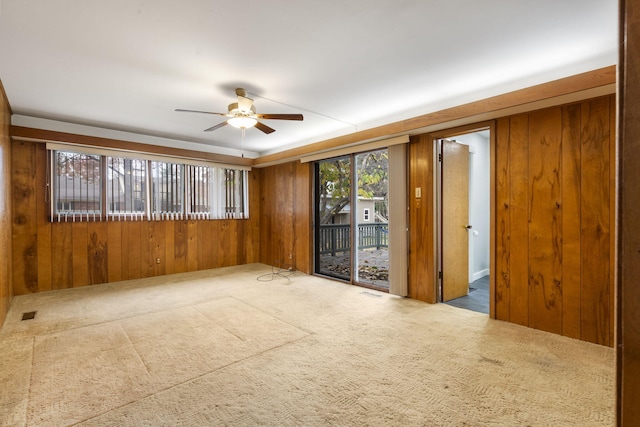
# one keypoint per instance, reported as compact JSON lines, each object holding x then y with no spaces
{"x":192,"y":246}
{"x":595,"y":205}
{"x":285,"y":215}
{"x":114,"y":252}
{"x":216,"y":251}
{"x":421,"y":284}
{"x":302,"y":205}
{"x":158,"y":242}
{"x":131,"y":252}
{"x":571,"y":248}
{"x":80,"y":240}
{"x":169,"y":249}
{"x":42,"y":223}
{"x":628,"y":337}
{"x":224,"y":257}
{"x":147,"y":237}
{"x":6,"y":219}
{"x":545,"y":221}
{"x":519,"y":220}
{"x":97,"y":253}
{"x":62,"y":255}
{"x":205,"y":246}
{"x":180,"y":242}
{"x":613,"y":170}
{"x":503,"y":236}
{"x":25,"y":246}
{"x":567,"y":248}
{"x":233,"y":242}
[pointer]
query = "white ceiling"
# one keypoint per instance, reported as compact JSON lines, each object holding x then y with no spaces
{"x":124,"y":65}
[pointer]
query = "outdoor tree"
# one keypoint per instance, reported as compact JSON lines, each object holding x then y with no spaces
{"x":335,"y":182}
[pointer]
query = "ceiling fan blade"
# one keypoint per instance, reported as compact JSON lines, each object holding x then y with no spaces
{"x":198,"y":111}
{"x":218,"y":126}
{"x":264,"y":128}
{"x":280,"y":116}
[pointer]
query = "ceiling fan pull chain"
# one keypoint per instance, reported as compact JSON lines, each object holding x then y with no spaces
{"x":242,"y":142}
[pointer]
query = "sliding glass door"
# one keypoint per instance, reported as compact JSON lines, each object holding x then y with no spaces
{"x":372,"y":218}
{"x":351,"y":221}
{"x":333,"y":217}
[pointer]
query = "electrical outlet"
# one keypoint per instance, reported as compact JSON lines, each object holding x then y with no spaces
{"x":290,"y":256}
{"x":157,"y":260}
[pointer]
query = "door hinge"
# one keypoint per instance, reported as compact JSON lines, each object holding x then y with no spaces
{"x":439,"y":157}
{"x":439,"y":274}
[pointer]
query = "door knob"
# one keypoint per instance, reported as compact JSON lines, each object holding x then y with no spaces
{"x":468,"y":227}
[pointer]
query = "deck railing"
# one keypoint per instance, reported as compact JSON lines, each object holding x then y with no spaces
{"x":336,"y":238}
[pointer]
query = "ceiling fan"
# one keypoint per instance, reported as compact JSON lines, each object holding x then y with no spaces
{"x":242,"y":115}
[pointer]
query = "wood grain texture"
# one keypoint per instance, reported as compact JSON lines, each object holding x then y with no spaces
{"x":69,"y":254}
{"x":571,"y":237}
{"x":43,"y":224}
{"x":545,"y":221}
{"x":62,"y":256}
{"x":555,"y":197}
{"x":595,"y":229}
{"x":79,"y":239}
{"x":285,"y":215}
{"x":455,"y":216}
{"x":114,"y":255}
{"x":422,"y":285}
{"x":180,"y":246}
{"x":192,"y":245}
{"x":613,"y":212}
{"x":519,"y":220}
{"x":97,"y":253}
{"x":24,"y":227}
{"x":6,"y":251}
{"x":628,"y":337}
{"x":169,"y":259}
{"x":502,"y":220}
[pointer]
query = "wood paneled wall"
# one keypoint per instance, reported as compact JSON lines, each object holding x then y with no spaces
{"x":286,"y":215}
{"x":56,"y":255}
{"x":628,"y":337}
{"x":422,"y":282}
{"x":555,"y":207}
{"x":6,"y":290}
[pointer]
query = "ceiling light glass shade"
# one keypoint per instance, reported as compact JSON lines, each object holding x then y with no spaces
{"x":242,"y":122}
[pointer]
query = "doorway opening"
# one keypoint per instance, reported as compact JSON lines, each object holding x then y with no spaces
{"x":463,"y":191}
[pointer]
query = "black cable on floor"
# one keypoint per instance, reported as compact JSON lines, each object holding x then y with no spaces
{"x":285,"y":271}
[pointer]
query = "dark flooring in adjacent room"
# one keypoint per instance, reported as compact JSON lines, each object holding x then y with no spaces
{"x":477,"y":299}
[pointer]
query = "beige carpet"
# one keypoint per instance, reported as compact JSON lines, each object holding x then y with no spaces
{"x":220,"y":348}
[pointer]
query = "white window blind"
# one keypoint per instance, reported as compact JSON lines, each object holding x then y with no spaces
{"x":167,"y":190}
{"x":199,"y":191}
{"x":94,"y":187}
{"x":126,"y":188}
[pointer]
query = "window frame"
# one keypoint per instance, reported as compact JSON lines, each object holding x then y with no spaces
{"x":186,"y":208}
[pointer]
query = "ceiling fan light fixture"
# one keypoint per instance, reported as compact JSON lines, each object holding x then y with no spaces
{"x":242,"y":122}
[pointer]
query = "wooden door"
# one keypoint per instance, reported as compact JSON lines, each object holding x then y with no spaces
{"x":455,"y":217}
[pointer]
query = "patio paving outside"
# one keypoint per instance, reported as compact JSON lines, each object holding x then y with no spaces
{"x":373,"y":266}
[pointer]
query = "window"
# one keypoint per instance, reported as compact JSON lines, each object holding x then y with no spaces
{"x":366,"y":214}
{"x":167,"y":190}
{"x":126,"y":188}
{"x":199,"y":191}
{"x":91,"y":187}
{"x":77,"y":186}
